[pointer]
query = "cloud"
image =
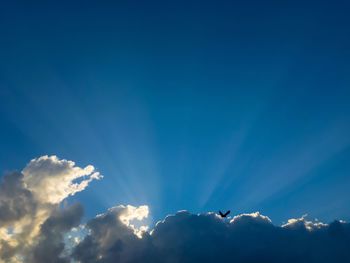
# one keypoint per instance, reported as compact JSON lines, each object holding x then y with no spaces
{"x":38,"y":229}
{"x":16,"y":201}
{"x":30,"y":199}
{"x":52,"y":180}
{"x":50,"y":246}
{"x":130,"y":215}
{"x":112,"y":238}
{"x":185,"y":237}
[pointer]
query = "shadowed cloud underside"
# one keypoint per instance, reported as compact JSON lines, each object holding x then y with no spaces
{"x":36,"y":229}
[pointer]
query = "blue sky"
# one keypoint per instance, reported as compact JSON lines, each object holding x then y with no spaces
{"x":184,"y":105}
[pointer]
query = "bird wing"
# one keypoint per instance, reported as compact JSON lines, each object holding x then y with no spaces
{"x":227,"y":213}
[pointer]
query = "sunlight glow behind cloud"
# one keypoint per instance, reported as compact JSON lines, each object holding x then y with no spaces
{"x":130,"y":214}
{"x":34,"y":229}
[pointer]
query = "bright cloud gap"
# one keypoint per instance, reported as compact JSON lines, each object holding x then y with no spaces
{"x":35,"y":228}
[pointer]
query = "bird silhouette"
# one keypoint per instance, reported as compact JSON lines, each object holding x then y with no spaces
{"x":224,"y":215}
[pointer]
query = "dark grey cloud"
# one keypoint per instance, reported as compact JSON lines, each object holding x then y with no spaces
{"x":35,"y":227}
{"x":186,"y":237}
{"x":32,"y":223}
{"x":51,"y":244}
{"x":111,"y":240}
{"x":19,"y":210}
{"x":16,"y":201}
{"x":17,"y":204}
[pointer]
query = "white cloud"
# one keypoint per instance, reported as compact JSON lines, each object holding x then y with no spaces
{"x":52,"y":180}
{"x":34,"y":229}
{"x":301,"y":222}
{"x":131,"y":216}
{"x":251,"y":216}
{"x":30,"y":198}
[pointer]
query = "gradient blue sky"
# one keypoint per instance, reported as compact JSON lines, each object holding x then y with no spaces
{"x":197,"y":105}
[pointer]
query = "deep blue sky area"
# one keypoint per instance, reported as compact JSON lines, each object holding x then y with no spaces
{"x":196,"y":105}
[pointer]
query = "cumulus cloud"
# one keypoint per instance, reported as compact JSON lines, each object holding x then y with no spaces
{"x":52,"y":180}
{"x":185,"y":237}
{"x":50,"y":245}
{"x":38,"y":229}
{"x":16,"y":201}
{"x":30,"y":199}
{"x":112,"y":238}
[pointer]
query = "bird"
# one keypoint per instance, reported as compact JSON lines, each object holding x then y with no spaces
{"x":224,"y":215}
